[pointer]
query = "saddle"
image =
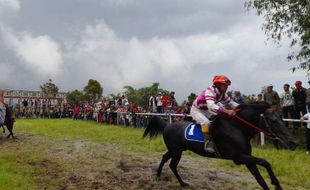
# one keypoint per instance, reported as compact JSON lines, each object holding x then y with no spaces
{"x":193,"y":132}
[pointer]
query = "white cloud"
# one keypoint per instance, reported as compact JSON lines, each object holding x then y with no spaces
{"x":177,"y":62}
{"x":179,"y":44}
{"x":40,"y":54}
{"x":12,"y":4}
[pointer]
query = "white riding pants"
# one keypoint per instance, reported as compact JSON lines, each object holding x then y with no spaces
{"x":201,"y":116}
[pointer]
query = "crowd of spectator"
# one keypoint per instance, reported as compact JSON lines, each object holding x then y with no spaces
{"x":293,"y":102}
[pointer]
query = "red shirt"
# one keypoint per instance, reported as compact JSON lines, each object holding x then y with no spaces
{"x":76,"y":109}
{"x":165,"y":100}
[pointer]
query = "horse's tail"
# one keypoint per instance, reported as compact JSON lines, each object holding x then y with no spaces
{"x":155,"y":127}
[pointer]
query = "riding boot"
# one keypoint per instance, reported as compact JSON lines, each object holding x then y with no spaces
{"x":209,"y":145}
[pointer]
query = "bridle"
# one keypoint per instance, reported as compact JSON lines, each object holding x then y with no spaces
{"x":274,"y":137}
{"x":266,"y":132}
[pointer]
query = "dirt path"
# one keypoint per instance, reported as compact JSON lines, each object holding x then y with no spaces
{"x":76,"y":164}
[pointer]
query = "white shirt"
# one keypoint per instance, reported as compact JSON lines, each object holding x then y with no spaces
{"x":159,"y":102}
{"x":2,"y":113}
{"x":287,"y":98}
{"x":307,"y":117}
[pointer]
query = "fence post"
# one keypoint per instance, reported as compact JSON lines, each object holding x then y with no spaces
{"x":170,"y":118}
{"x":262,"y":139}
{"x":117,"y":118}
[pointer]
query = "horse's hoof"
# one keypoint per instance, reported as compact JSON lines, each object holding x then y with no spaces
{"x":278,"y":188}
{"x":184,"y":184}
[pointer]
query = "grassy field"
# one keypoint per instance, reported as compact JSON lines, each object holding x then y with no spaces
{"x":19,"y":168}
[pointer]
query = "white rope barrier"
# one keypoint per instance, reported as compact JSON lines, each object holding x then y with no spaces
{"x":180,"y":115}
{"x":296,"y":120}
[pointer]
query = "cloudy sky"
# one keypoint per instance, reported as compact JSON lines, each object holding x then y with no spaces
{"x":179,"y":43}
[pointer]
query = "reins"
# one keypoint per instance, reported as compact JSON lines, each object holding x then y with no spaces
{"x":267,"y":133}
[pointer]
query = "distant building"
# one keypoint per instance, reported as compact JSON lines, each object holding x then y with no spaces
{"x":14,"y":97}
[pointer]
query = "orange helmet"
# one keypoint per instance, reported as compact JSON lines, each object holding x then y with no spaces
{"x":221,"y":79}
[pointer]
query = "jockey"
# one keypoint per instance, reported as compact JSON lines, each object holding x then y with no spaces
{"x":2,"y":108}
{"x":210,"y":102}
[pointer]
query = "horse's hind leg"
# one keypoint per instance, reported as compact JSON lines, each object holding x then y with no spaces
{"x":10,"y":129}
{"x":175,"y":159}
{"x":165,"y":158}
{"x":255,"y":172}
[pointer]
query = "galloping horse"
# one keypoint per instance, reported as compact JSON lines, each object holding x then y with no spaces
{"x":231,"y":136}
{"x":9,"y":121}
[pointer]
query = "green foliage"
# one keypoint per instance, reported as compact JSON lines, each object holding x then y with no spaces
{"x":93,"y":90}
{"x":75,"y":96}
{"x":49,"y":89}
{"x":290,"y":18}
{"x":141,"y":96}
{"x":130,"y":138}
{"x":191,"y":97}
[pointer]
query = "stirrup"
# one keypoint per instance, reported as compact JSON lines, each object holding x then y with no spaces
{"x":209,"y":146}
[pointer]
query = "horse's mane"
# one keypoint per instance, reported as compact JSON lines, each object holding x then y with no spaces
{"x":254,"y":105}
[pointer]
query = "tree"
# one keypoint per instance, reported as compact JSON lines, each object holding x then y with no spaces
{"x":290,"y":18}
{"x":191,"y":97}
{"x":49,"y":89}
{"x":93,"y":90}
{"x":141,"y":96}
{"x":74,"y":97}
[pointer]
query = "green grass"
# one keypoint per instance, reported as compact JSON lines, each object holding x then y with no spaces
{"x":129,"y":138}
{"x":291,"y":167}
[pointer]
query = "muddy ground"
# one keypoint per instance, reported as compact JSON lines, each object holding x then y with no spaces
{"x":77,"y":164}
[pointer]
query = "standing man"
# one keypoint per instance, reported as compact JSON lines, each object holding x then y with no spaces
{"x":271,"y":96}
{"x":308,"y":98}
{"x":2,"y":108}
{"x":152,"y":104}
{"x":238,"y":98}
{"x":286,"y":103}
{"x":160,"y":108}
{"x":299,"y":95}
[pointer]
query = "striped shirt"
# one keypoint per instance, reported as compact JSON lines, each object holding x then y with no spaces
{"x":2,"y":113}
{"x":211,"y":99}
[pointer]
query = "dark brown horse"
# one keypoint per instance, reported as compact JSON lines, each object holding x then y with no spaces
{"x":9,"y":121}
{"x":231,"y":136}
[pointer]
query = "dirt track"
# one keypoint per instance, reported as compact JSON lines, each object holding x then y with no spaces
{"x":76,"y":164}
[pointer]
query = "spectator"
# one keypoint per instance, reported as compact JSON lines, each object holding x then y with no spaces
{"x":238,"y":98}
{"x":299,"y":95}
{"x":271,"y":96}
{"x":308,"y":98}
{"x":152,"y":104}
{"x":307,"y":117}
{"x":160,"y":108}
{"x":259,"y":98}
{"x":2,"y":107}
{"x":125,"y":101}
{"x":171,"y":102}
{"x":165,"y":100}
{"x":75,"y":111}
{"x":286,"y":103}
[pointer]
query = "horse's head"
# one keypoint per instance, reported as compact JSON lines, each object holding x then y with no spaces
{"x":273,"y":122}
{"x":270,"y":120}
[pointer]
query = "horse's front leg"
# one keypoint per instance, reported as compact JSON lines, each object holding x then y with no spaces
{"x":255,"y":172}
{"x":251,"y":162}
